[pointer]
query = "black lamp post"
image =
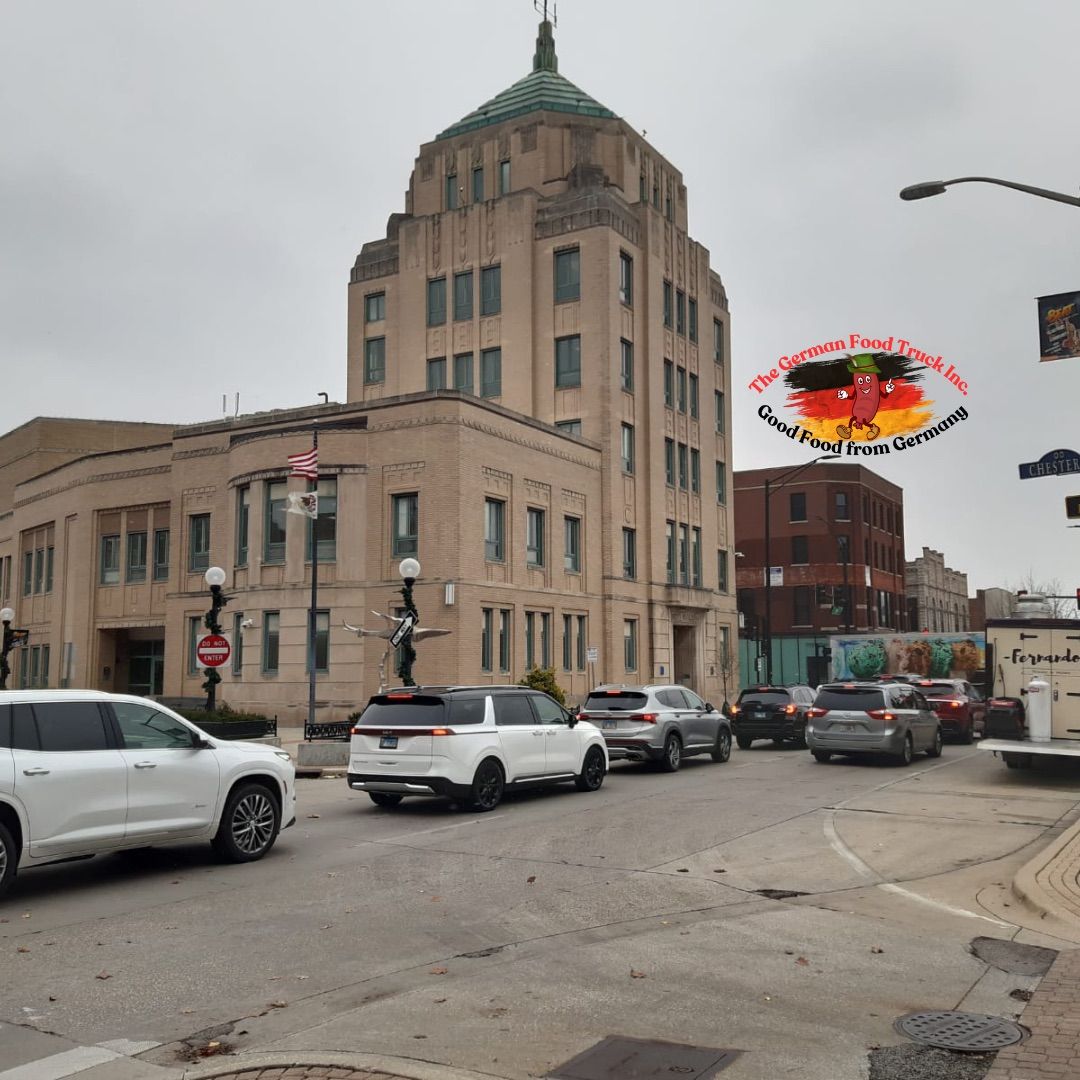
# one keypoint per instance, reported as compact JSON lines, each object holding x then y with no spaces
{"x":770,"y":487}
{"x":937,"y":187}
{"x":215,"y":578}
{"x":410,"y":571}
{"x":6,"y":617}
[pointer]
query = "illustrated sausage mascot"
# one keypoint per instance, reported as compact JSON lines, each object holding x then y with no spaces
{"x":866,"y":396}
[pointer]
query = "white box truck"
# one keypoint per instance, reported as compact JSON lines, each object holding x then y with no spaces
{"x":1032,"y":687}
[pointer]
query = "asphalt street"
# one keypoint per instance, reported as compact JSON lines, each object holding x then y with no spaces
{"x":510,"y":942}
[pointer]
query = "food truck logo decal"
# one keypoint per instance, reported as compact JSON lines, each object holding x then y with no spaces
{"x":870,"y":399}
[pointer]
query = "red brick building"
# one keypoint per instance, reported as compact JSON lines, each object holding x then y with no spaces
{"x":829,"y":515}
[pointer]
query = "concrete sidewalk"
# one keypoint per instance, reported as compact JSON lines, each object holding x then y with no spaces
{"x":1049,"y":885}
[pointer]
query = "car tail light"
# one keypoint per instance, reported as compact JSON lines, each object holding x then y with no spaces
{"x":647,"y":717}
{"x":399,"y":697}
{"x":816,"y":712}
{"x":1001,"y":703}
{"x":441,"y":731}
{"x":355,"y":731}
{"x":735,"y":709}
{"x":880,"y":714}
{"x":790,"y":710}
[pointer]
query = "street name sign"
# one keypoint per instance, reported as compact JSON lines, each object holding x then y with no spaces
{"x":404,"y":629}
{"x":213,"y":650}
{"x":1052,"y":463}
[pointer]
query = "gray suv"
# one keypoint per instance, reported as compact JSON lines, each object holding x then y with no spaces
{"x":662,"y":723}
{"x":872,"y":717}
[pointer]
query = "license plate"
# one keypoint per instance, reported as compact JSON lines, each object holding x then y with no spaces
{"x":757,"y":716}
{"x":388,"y":742}
{"x":610,"y":723}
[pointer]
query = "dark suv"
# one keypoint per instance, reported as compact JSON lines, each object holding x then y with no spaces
{"x":772,"y":712}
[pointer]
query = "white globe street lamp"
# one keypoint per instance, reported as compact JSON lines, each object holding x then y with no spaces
{"x":410,"y":571}
{"x":215,"y":576}
{"x":409,"y":568}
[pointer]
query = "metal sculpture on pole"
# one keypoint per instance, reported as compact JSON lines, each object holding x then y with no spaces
{"x":418,"y":634}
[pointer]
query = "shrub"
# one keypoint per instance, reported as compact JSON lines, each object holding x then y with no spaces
{"x":544,"y":679}
{"x":223,"y":715}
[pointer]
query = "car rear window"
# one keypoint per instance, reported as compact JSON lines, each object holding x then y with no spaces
{"x":622,"y":700}
{"x":763,"y":697}
{"x":413,"y":710}
{"x":857,"y":699}
{"x":937,"y":689}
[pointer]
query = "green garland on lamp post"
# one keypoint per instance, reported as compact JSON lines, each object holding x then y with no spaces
{"x":410,"y":571}
{"x":215,"y":578}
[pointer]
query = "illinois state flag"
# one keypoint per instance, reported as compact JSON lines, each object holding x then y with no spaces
{"x":304,"y":502}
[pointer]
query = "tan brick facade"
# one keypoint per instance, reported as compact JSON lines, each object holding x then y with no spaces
{"x":550,"y":183}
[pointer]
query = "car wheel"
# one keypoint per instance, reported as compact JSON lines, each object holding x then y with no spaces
{"x":907,"y":751}
{"x":9,"y":858}
{"x":592,"y":770}
{"x":722,"y":750}
{"x":744,"y":742}
{"x":935,"y":750}
{"x":249,"y":824}
{"x":487,"y":786}
{"x":672,"y":758}
{"x":824,"y":756}
{"x":384,"y":798}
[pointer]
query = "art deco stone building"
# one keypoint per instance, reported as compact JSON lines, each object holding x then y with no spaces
{"x":537,"y":410}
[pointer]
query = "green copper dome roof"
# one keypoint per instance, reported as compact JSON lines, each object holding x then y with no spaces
{"x":542,"y":88}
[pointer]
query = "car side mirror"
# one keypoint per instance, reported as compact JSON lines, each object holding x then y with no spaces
{"x":708,"y":707}
{"x":199,"y":743}
{"x":571,"y":718}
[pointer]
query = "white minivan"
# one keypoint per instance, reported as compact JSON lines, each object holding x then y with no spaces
{"x":84,"y":772}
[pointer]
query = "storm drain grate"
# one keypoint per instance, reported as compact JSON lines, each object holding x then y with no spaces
{"x":960,"y":1030}
{"x":618,"y":1058}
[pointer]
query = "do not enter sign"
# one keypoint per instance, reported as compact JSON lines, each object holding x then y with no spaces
{"x":213,"y":650}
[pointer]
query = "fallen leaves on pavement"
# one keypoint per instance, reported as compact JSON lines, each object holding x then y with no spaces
{"x":438,"y":971}
{"x":637,"y":974}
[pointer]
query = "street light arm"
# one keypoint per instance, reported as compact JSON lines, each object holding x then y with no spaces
{"x":937,"y":187}
{"x":774,"y":485}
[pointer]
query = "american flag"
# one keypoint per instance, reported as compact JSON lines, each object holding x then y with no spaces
{"x":306,"y":464}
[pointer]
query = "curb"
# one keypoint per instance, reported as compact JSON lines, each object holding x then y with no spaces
{"x":1047,"y":884}
{"x":394,"y":1068}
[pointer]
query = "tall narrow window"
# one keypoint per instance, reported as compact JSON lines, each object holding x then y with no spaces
{"x":487,"y":621}
{"x":567,"y":275}
{"x":504,"y":177}
{"x":161,"y":554}
{"x":195,"y":630}
{"x":722,"y":571}
{"x":494,"y":530}
{"x":478,"y":184}
{"x":684,"y":466}
{"x":567,"y":642}
{"x":322,"y":643}
{"x":534,"y":536}
{"x":375,"y":360}
{"x":695,"y":557}
{"x":545,"y":639}
{"x":405,"y":512}
{"x":629,"y":554}
{"x":669,"y":384}
{"x":721,"y":483}
{"x":436,"y":302}
{"x":582,"y":637}
{"x":843,"y":509}
{"x":627,"y":448}
{"x":463,"y":372}
{"x":695,"y":470}
{"x":718,"y":406}
{"x":199,"y":542}
{"x":50,"y":553}
{"x":271,"y":641}
{"x":680,"y":312}
{"x":626,"y":369}
{"x":110,"y":563}
{"x":626,"y":279}
{"x":504,"y":639}
{"x":669,"y":462}
{"x":680,"y":384}
{"x":572,"y":556}
{"x":718,"y":342}
{"x":375,"y":307}
{"x":491,"y":290}
{"x":630,"y":644}
{"x":463,"y":299}
{"x":452,"y":192}
{"x":39,"y":570}
{"x":693,"y":319}
{"x":491,"y":373}
{"x":436,"y":373}
{"x":274,"y":519}
{"x":28,"y":569}
{"x":695,"y":403}
{"x":243,"y":516}
{"x":684,"y":554}
{"x":324,"y":527}
{"x":668,"y":304}
{"x":136,"y":558}
{"x":568,"y":361}
{"x":797,"y":506}
{"x":671,"y":552}
{"x":238,"y":644}
{"x":530,"y":640}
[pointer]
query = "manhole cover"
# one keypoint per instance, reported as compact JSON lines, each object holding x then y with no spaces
{"x":960,"y":1030}
{"x":617,"y":1058}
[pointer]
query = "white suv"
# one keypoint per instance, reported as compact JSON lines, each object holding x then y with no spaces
{"x":470,"y":743}
{"x":84,"y":772}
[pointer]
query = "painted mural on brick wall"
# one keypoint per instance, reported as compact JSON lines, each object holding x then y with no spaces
{"x":937,"y":656}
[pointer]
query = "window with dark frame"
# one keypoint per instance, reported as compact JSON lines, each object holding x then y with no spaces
{"x":436,"y":301}
{"x":487,"y":625}
{"x":478,"y":184}
{"x":669,"y":462}
{"x":161,"y":554}
{"x":718,"y":342}
{"x":494,"y":530}
{"x":567,"y":275}
{"x":275,"y":517}
{"x":491,"y":373}
{"x":718,"y":405}
{"x":491,"y":290}
{"x":375,"y":307}
{"x":680,"y":312}
{"x":451,"y":192}
{"x":463,"y":372}
{"x":198,"y":542}
{"x":436,"y":373}
{"x":324,"y":527}
{"x":374,"y":360}
{"x":572,"y":535}
{"x":722,"y":570}
{"x":322,"y":644}
{"x":842,"y":506}
{"x":136,"y":558}
{"x":627,"y":448}
{"x":695,"y":403}
{"x":271,"y":641}
{"x":626,"y":367}
{"x":504,"y":177}
{"x":568,"y":361}
{"x":243,"y":523}
{"x":629,"y":554}
{"x":695,"y":470}
{"x":534,"y":536}
{"x":463,"y":296}
{"x":669,"y":384}
{"x":797,"y":506}
{"x":693,"y":319}
{"x":721,"y":483}
{"x":626,"y":279}
{"x":680,"y":386}
{"x":669,"y":304}
{"x":630,"y":652}
{"x":109,"y":570}
{"x":405,"y":515}
{"x":670,"y":535}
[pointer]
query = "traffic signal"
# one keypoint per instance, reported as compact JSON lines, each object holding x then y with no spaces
{"x":1072,"y":506}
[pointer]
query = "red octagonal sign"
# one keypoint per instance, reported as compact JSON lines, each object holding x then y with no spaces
{"x":213,"y":650}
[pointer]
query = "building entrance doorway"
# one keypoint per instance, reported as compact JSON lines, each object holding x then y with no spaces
{"x":146,"y":668}
{"x":685,"y":651}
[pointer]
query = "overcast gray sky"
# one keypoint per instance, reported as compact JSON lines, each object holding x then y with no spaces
{"x":184,"y":185}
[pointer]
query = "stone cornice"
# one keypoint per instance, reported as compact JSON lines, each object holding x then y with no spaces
{"x":98,"y":478}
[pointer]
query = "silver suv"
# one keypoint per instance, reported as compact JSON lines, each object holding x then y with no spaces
{"x":872,"y":717}
{"x":657,"y":723}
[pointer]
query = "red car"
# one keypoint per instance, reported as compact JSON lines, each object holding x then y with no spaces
{"x":959,"y":706}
